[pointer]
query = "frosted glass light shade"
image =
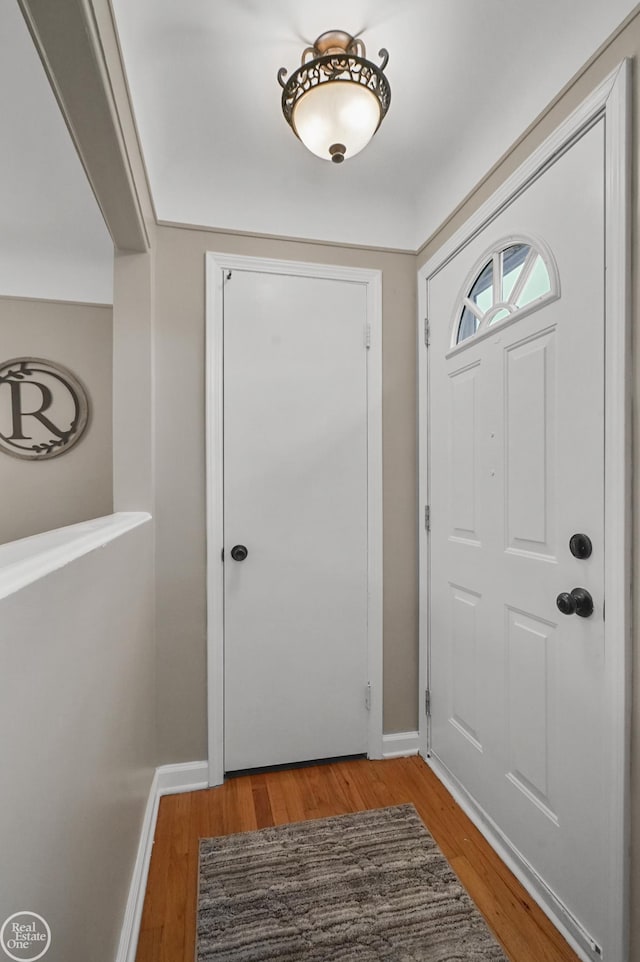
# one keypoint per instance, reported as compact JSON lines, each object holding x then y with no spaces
{"x":336,"y":100}
{"x":340,"y":113}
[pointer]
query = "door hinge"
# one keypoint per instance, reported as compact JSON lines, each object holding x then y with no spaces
{"x":427,"y":702}
{"x":367,"y":336}
{"x":367,"y":696}
{"x":427,"y":333}
{"x":427,"y":517}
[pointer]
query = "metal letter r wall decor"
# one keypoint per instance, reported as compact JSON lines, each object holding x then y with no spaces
{"x":44,"y":409}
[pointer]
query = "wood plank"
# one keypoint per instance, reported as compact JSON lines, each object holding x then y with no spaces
{"x":199,"y":827}
{"x":348,"y":787}
{"x":261,"y":801}
{"x":238,"y":808}
{"x":215,"y":799}
{"x":277,"y":799}
{"x":177,"y":932}
{"x":291,"y":794}
{"x":522,"y":938}
{"x":181,"y":808}
{"x":167,"y":931}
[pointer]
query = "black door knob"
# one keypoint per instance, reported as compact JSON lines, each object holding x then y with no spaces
{"x":239,"y":552}
{"x":576,"y":602}
{"x":566,"y":603}
{"x":580,"y":546}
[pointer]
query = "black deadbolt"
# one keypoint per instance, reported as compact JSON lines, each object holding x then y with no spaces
{"x":576,"y":602}
{"x":239,"y":552}
{"x":580,"y":546}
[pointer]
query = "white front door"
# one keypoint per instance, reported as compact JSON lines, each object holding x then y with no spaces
{"x":295,"y":497}
{"x":519,"y":706}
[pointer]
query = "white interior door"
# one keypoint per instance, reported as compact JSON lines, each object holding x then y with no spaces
{"x":295,"y":496}
{"x":519,"y":705}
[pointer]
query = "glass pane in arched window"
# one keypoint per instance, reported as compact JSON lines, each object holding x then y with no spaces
{"x":468,"y":325}
{"x":537,"y":285}
{"x":512,"y":260}
{"x":482,"y":291}
{"x":500,"y":315}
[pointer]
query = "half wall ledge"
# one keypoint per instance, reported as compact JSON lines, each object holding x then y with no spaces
{"x":29,"y":559}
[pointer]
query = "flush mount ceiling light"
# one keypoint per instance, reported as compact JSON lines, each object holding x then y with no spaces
{"x":335,"y":101}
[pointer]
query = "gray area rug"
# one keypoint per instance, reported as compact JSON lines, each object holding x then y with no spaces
{"x":353,"y":888}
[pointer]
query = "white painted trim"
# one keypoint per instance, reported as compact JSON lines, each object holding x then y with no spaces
{"x":424,"y":542}
{"x":29,"y":559}
{"x":611,"y":99}
{"x":400,"y":744}
{"x":135,"y":901}
{"x":183,"y":777}
{"x":373,"y":281}
{"x":215,"y":263}
{"x":267,"y":265}
{"x":510,"y":856}
{"x":167,"y":780}
{"x":214,"y":440}
{"x":618,"y":497}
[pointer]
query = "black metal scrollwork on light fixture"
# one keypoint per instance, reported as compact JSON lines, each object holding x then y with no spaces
{"x":336,"y":100}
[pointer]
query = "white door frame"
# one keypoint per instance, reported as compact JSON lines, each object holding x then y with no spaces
{"x":215,"y":263}
{"x":611,"y":100}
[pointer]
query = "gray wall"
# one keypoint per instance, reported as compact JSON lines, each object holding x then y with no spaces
{"x":132,"y":383}
{"x":38,"y":496}
{"x":626,"y":44}
{"x":180,"y":475}
{"x":76,"y":688}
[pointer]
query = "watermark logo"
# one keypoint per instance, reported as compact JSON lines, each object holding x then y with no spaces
{"x":25,"y":937}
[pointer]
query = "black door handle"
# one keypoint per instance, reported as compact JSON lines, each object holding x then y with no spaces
{"x":576,"y":602}
{"x":239,"y":552}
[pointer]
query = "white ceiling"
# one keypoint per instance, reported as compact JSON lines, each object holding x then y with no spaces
{"x":53,"y":240}
{"x":467,"y":77}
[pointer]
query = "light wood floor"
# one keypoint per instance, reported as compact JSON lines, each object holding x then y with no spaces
{"x":258,"y":801}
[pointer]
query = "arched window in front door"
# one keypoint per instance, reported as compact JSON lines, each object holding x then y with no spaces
{"x":516,"y":276}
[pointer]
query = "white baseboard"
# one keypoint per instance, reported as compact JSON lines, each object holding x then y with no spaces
{"x":133,"y":911}
{"x":400,"y":744}
{"x":186,"y":777}
{"x":167,"y":780}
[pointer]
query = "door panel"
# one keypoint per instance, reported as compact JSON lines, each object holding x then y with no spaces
{"x":464,"y":662}
{"x":516,"y":463}
{"x":529,"y":648}
{"x":295,"y":493}
{"x":530,"y":444}
{"x":463,"y":453}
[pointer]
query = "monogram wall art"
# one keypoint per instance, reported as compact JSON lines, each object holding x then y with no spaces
{"x":44,"y":409}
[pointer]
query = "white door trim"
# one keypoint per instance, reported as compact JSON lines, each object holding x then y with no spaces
{"x":215,"y":263}
{"x":611,"y":100}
